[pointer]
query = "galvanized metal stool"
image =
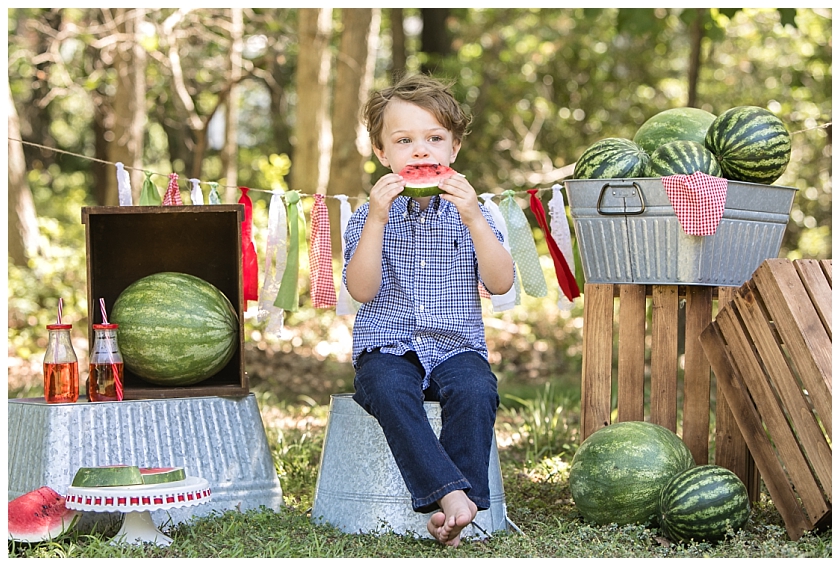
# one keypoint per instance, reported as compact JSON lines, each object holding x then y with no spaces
{"x":360,"y":489}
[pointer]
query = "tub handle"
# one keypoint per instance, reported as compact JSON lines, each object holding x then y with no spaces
{"x":627,"y":193}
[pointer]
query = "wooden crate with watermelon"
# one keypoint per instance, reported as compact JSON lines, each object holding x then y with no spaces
{"x":172,"y":278}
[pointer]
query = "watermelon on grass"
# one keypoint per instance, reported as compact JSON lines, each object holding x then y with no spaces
{"x":682,"y":157}
{"x":674,"y":124}
{"x":421,"y":180}
{"x":175,"y":329}
{"x":750,"y":143}
{"x":612,"y":158}
{"x":619,"y":471}
{"x":40,"y":515}
{"x":703,"y":503}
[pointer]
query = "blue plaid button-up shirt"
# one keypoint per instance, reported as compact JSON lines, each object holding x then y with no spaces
{"x":428,"y":301}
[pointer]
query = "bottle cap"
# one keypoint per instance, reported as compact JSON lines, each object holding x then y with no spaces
{"x":108,"y":326}
{"x":59,"y":326}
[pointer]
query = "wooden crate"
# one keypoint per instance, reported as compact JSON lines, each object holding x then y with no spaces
{"x":771,"y":350}
{"x":125,"y":243}
{"x":660,"y":405}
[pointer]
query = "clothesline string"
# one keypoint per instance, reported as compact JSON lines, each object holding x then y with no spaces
{"x":148,"y":172}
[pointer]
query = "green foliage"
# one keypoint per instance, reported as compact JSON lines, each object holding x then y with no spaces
{"x":546,"y":427}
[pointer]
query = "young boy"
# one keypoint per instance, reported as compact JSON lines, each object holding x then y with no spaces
{"x":415,"y":265}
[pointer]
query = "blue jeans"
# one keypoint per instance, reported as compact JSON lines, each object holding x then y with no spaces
{"x":389,"y":388}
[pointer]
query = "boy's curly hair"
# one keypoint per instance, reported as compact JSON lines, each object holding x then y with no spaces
{"x":426,"y":92}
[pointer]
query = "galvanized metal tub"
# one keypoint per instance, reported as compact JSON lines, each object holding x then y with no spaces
{"x":360,"y":489}
{"x":221,"y":439}
{"x":628,"y":232}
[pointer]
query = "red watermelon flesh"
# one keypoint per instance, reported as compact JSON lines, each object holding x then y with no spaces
{"x":39,"y":515}
{"x":425,"y":175}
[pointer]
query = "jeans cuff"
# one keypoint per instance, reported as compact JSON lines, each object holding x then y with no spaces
{"x":430,"y":503}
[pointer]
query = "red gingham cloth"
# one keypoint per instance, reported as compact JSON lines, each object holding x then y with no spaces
{"x":698,"y":199}
{"x":322,"y":288}
{"x":173,"y":195}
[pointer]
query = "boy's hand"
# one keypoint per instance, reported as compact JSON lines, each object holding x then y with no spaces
{"x":460,"y":192}
{"x":382,"y":196}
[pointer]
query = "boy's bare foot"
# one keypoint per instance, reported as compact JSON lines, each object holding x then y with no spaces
{"x":457,"y":511}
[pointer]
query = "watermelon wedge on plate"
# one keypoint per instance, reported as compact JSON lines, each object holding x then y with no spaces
{"x":421,"y":180}
{"x":39,"y":515}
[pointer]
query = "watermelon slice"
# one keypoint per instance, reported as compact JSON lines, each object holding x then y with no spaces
{"x":162,"y":475}
{"x":107,"y":476}
{"x":422,"y":180}
{"x":39,"y":515}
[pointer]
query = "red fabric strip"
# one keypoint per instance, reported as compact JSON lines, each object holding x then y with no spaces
{"x":173,"y":195}
{"x":564,"y":274}
{"x":322,"y":284}
{"x":249,"y":250}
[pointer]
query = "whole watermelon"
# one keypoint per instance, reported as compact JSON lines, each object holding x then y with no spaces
{"x":619,"y":470}
{"x":611,"y":158}
{"x":175,"y":329}
{"x":702,"y":503}
{"x":682,"y":157}
{"x":674,"y":124}
{"x":750,"y":143}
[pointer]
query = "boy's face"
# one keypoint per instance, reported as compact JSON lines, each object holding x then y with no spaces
{"x":412,"y":135}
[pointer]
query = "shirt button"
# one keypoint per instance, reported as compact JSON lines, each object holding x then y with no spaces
{"x":423,"y":220}
{"x":422,"y":263}
{"x":421,"y":308}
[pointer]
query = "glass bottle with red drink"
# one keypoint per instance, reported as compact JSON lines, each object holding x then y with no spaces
{"x":105,"y":382}
{"x":61,"y":367}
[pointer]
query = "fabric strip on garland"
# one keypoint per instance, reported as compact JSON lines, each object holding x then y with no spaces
{"x":173,"y":194}
{"x":322,"y":283}
{"x":196,"y":196}
{"x":508,"y":300}
{"x":275,"y":264}
{"x":522,"y":247}
{"x":287,"y":296}
{"x":249,"y":251}
{"x":149,"y":194}
{"x":123,"y":185}
{"x":562,"y":235}
{"x":213,"y":197}
{"x":564,"y":275}
{"x":345,"y":303}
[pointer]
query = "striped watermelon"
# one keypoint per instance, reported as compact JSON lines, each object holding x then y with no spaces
{"x":750,"y":143}
{"x":682,"y":157}
{"x":619,"y":470}
{"x":684,"y":123}
{"x":612,"y":158}
{"x":175,"y":329}
{"x":702,"y":503}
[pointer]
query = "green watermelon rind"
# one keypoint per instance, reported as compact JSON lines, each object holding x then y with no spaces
{"x":415,"y":192}
{"x":612,"y":158}
{"x":703,"y":503}
{"x":175,"y":329}
{"x":162,"y":475}
{"x":684,"y":123}
{"x":618,"y":472}
{"x":107,"y":476}
{"x":682,"y":157}
{"x":751,"y":144}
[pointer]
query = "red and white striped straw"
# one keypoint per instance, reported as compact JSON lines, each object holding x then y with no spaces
{"x":60,"y":305}
{"x":102,"y":309}
{"x":118,"y":383}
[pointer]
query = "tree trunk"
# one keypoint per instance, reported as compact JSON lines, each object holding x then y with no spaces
{"x":697,"y":32}
{"x":23,"y":223}
{"x":311,"y":157}
{"x":129,"y":106}
{"x":353,"y":79}
{"x":435,"y":40}
{"x":229,"y":161}
{"x":398,"y":56}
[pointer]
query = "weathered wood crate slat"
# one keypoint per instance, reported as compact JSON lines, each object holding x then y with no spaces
{"x":770,"y":348}
{"x":661,"y":403}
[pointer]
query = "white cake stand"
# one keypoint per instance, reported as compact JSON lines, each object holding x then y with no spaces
{"x":135,"y":502}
